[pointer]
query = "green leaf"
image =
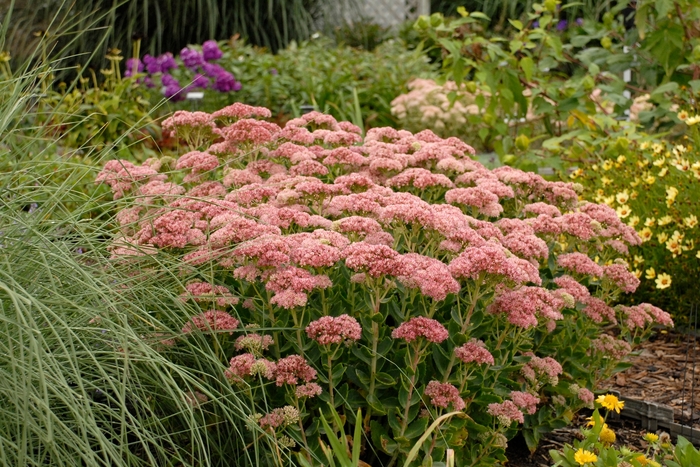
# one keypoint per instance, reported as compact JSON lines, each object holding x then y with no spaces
{"x":663,"y":7}
{"x":417,"y":428}
{"x":516,"y":24}
{"x":385,"y":379}
{"x":640,"y":20}
{"x":477,"y":14}
{"x":527,"y":65}
{"x":671,"y":86}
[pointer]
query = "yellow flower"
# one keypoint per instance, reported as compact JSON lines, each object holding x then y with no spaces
{"x":633,"y":221}
{"x":575,"y":174}
{"x":660,"y":162}
{"x":642,"y":163}
{"x":674,"y":246}
{"x":645,"y":234}
{"x":650,"y":273}
{"x":638,"y":259}
{"x":657,"y":147}
{"x":665,"y":220}
{"x":677,"y":236}
{"x":594,"y":167}
{"x":649,"y":222}
{"x":621,"y":159}
{"x":605,"y":181}
{"x":651,"y":437}
{"x":682,"y":164}
{"x":662,"y":237}
{"x":610,"y":402}
{"x":607,"y":435}
{"x":649,"y":179}
{"x":682,"y":115}
{"x":634,"y":194}
{"x":584,"y":457}
{"x":691,"y":221}
{"x":635,"y":182}
{"x":607,"y":165}
{"x":692,"y":120}
{"x":663,"y":281}
{"x":644,"y":145}
{"x":609,"y":200}
{"x":663,"y":172}
{"x":637,"y":273}
{"x":622,"y":197}
{"x":623,"y":211}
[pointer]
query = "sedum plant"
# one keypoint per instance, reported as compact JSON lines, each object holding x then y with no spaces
{"x":392,"y":273}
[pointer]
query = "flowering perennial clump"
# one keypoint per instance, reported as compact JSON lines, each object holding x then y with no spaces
{"x":438,"y":271}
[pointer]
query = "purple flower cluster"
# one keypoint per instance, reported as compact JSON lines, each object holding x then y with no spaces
{"x":208,"y":75}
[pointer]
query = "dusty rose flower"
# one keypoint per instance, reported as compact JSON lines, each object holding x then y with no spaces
{"x":506,"y":412}
{"x":598,"y":310}
{"x":330,"y":330}
{"x":430,"y":275}
{"x":280,"y":417}
{"x":610,"y":347}
{"x":542,"y":368}
{"x":523,"y":305}
{"x":375,"y":260}
{"x":211,"y":321}
{"x":474,"y":351}
{"x":202,"y":292}
{"x":253,"y":343}
{"x":308,"y":390}
{"x":443,"y":394}
{"x":525,"y":401}
{"x":572,"y":286}
{"x":493,"y":259}
{"x":417,"y":327}
{"x":619,"y":275}
{"x":292,"y":369}
{"x":581,"y":264}
{"x":586,"y":396}
{"x":195,"y":398}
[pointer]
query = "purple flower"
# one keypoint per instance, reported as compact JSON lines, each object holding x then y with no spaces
{"x":200,"y":81}
{"x":225,"y":82}
{"x":579,"y":21}
{"x":160,"y":64}
{"x":191,"y":58}
{"x":133,"y":65}
{"x":211,"y":51}
{"x":213,"y":70}
{"x":169,"y":80}
{"x":273,"y":71}
{"x":174,"y":93}
{"x":535,"y":24}
{"x":561,"y":25}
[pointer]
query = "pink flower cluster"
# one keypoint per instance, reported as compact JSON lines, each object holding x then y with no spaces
{"x":417,"y":327}
{"x":506,"y":412}
{"x":443,"y":394}
{"x":609,"y":347}
{"x":246,"y":365}
{"x":474,"y":351}
{"x":641,"y":315}
{"x":203,"y":292}
{"x":525,"y":401}
{"x":522,"y":306}
{"x":330,"y":330}
{"x":211,"y":321}
{"x":538,"y":369}
{"x":292,"y":369}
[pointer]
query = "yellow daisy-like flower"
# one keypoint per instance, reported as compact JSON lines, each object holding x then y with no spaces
{"x":659,"y":162}
{"x":649,"y":222}
{"x":663,"y":172}
{"x":683,"y":115}
{"x":638,"y":259}
{"x":679,"y":149}
{"x":637,"y":273}
{"x":651,"y":437}
{"x":663,"y":281}
{"x":674,"y":246}
{"x":606,"y":181}
{"x":697,"y":255}
{"x":691,"y":221}
{"x":607,"y":165}
{"x":657,"y":147}
{"x":621,"y":159}
{"x":635,"y":182}
{"x":645,"y":234}
{"x":610,"y":402}
{"x":583,"y":457}
{"x":649,"y":179}
{"x":692,"y":120}
{"x":665,"y":220}
{"x":609,"y":200}
{"x":594,"y":167}
{"x":633,"y":221}
{"x":575,"y":174}
{"x":622,"y":197}
{"x":607,"y":435}
{"x":623,"y":211}
{"x":644,"y":145}
{"x":662,"y":237}
{"x":650,"y":273}
{"x":682,"y":164}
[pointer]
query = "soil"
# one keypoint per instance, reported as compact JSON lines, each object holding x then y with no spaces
{"x":665,"y":369}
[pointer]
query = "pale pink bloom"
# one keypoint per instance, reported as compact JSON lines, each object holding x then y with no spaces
{"x":619,"y":275}
{"x":120,"y":175}
{"x":248,"y":304}
{"x":308,"y":168}
{"x":198,"y":162}
{"x":345,"y":156}
{"x":250,"y":131}
{"x":417,"y":327}
{"x":130,"y":215}
{"x":523,"y":305}
{"x":315,"y":254}
{"x":474,"y":351}
{"x":492,"y":259}
{"x":542,"y":368}
{"x":289,"y":299}
{"x":542,"y":208}
{"x":358,"y":225}
{"x":640,"y":315}
{"x":347,"y":126}
{"x":610,"y":347}
{"x":506,"y":412}
{"x":296,"y":134}
{"x":443,"y":394}
{"x":154,"y":188}
{"x":419,"y":178}
{"x":253,"y":193}
{"x":580,"y":263}
{"x":202,"y":292}
{"x":386,"y":134}
{"x":232,"y":228}
{"x":292,"y":278}
{"x":375,"y":260}
{"x":525,"y":401}
{"x":334,"y":330}
{"x":356,"y":182}
{"x":415,"y":211}
{"x":526,"y":246}
{"x":308,"y":390}
{"x":337,"y":138}
{"x":292,"y":369}
{"x":211,"y":321}
{"x":619,"y":246}
{"x":573,"y":288}
{"x":544,"y":224}
{"x":473,"y":196}
{"x":430,"y":275}
{"x":578,"y":224}
{"x":379,"y":238}
{"x":560,"y":193}
{"x":239,"y":110}
{"x":382,"y":165}
{"x":244,"y":365}
{"x":248,"y":273}
{"x":586,"y":396}
{"x":238,"y":178}
{"x":358,"y":203}
{"x":280,"y":417}
{"x":606,"y":215}
{"x":264,"y":251}
{"x":496,"y":187}
{"x":184,"y":124}
{"x":207,"y":190}
{"x":598,"y":310}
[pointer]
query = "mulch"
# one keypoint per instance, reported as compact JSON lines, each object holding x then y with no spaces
{"x":665,"y":369}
